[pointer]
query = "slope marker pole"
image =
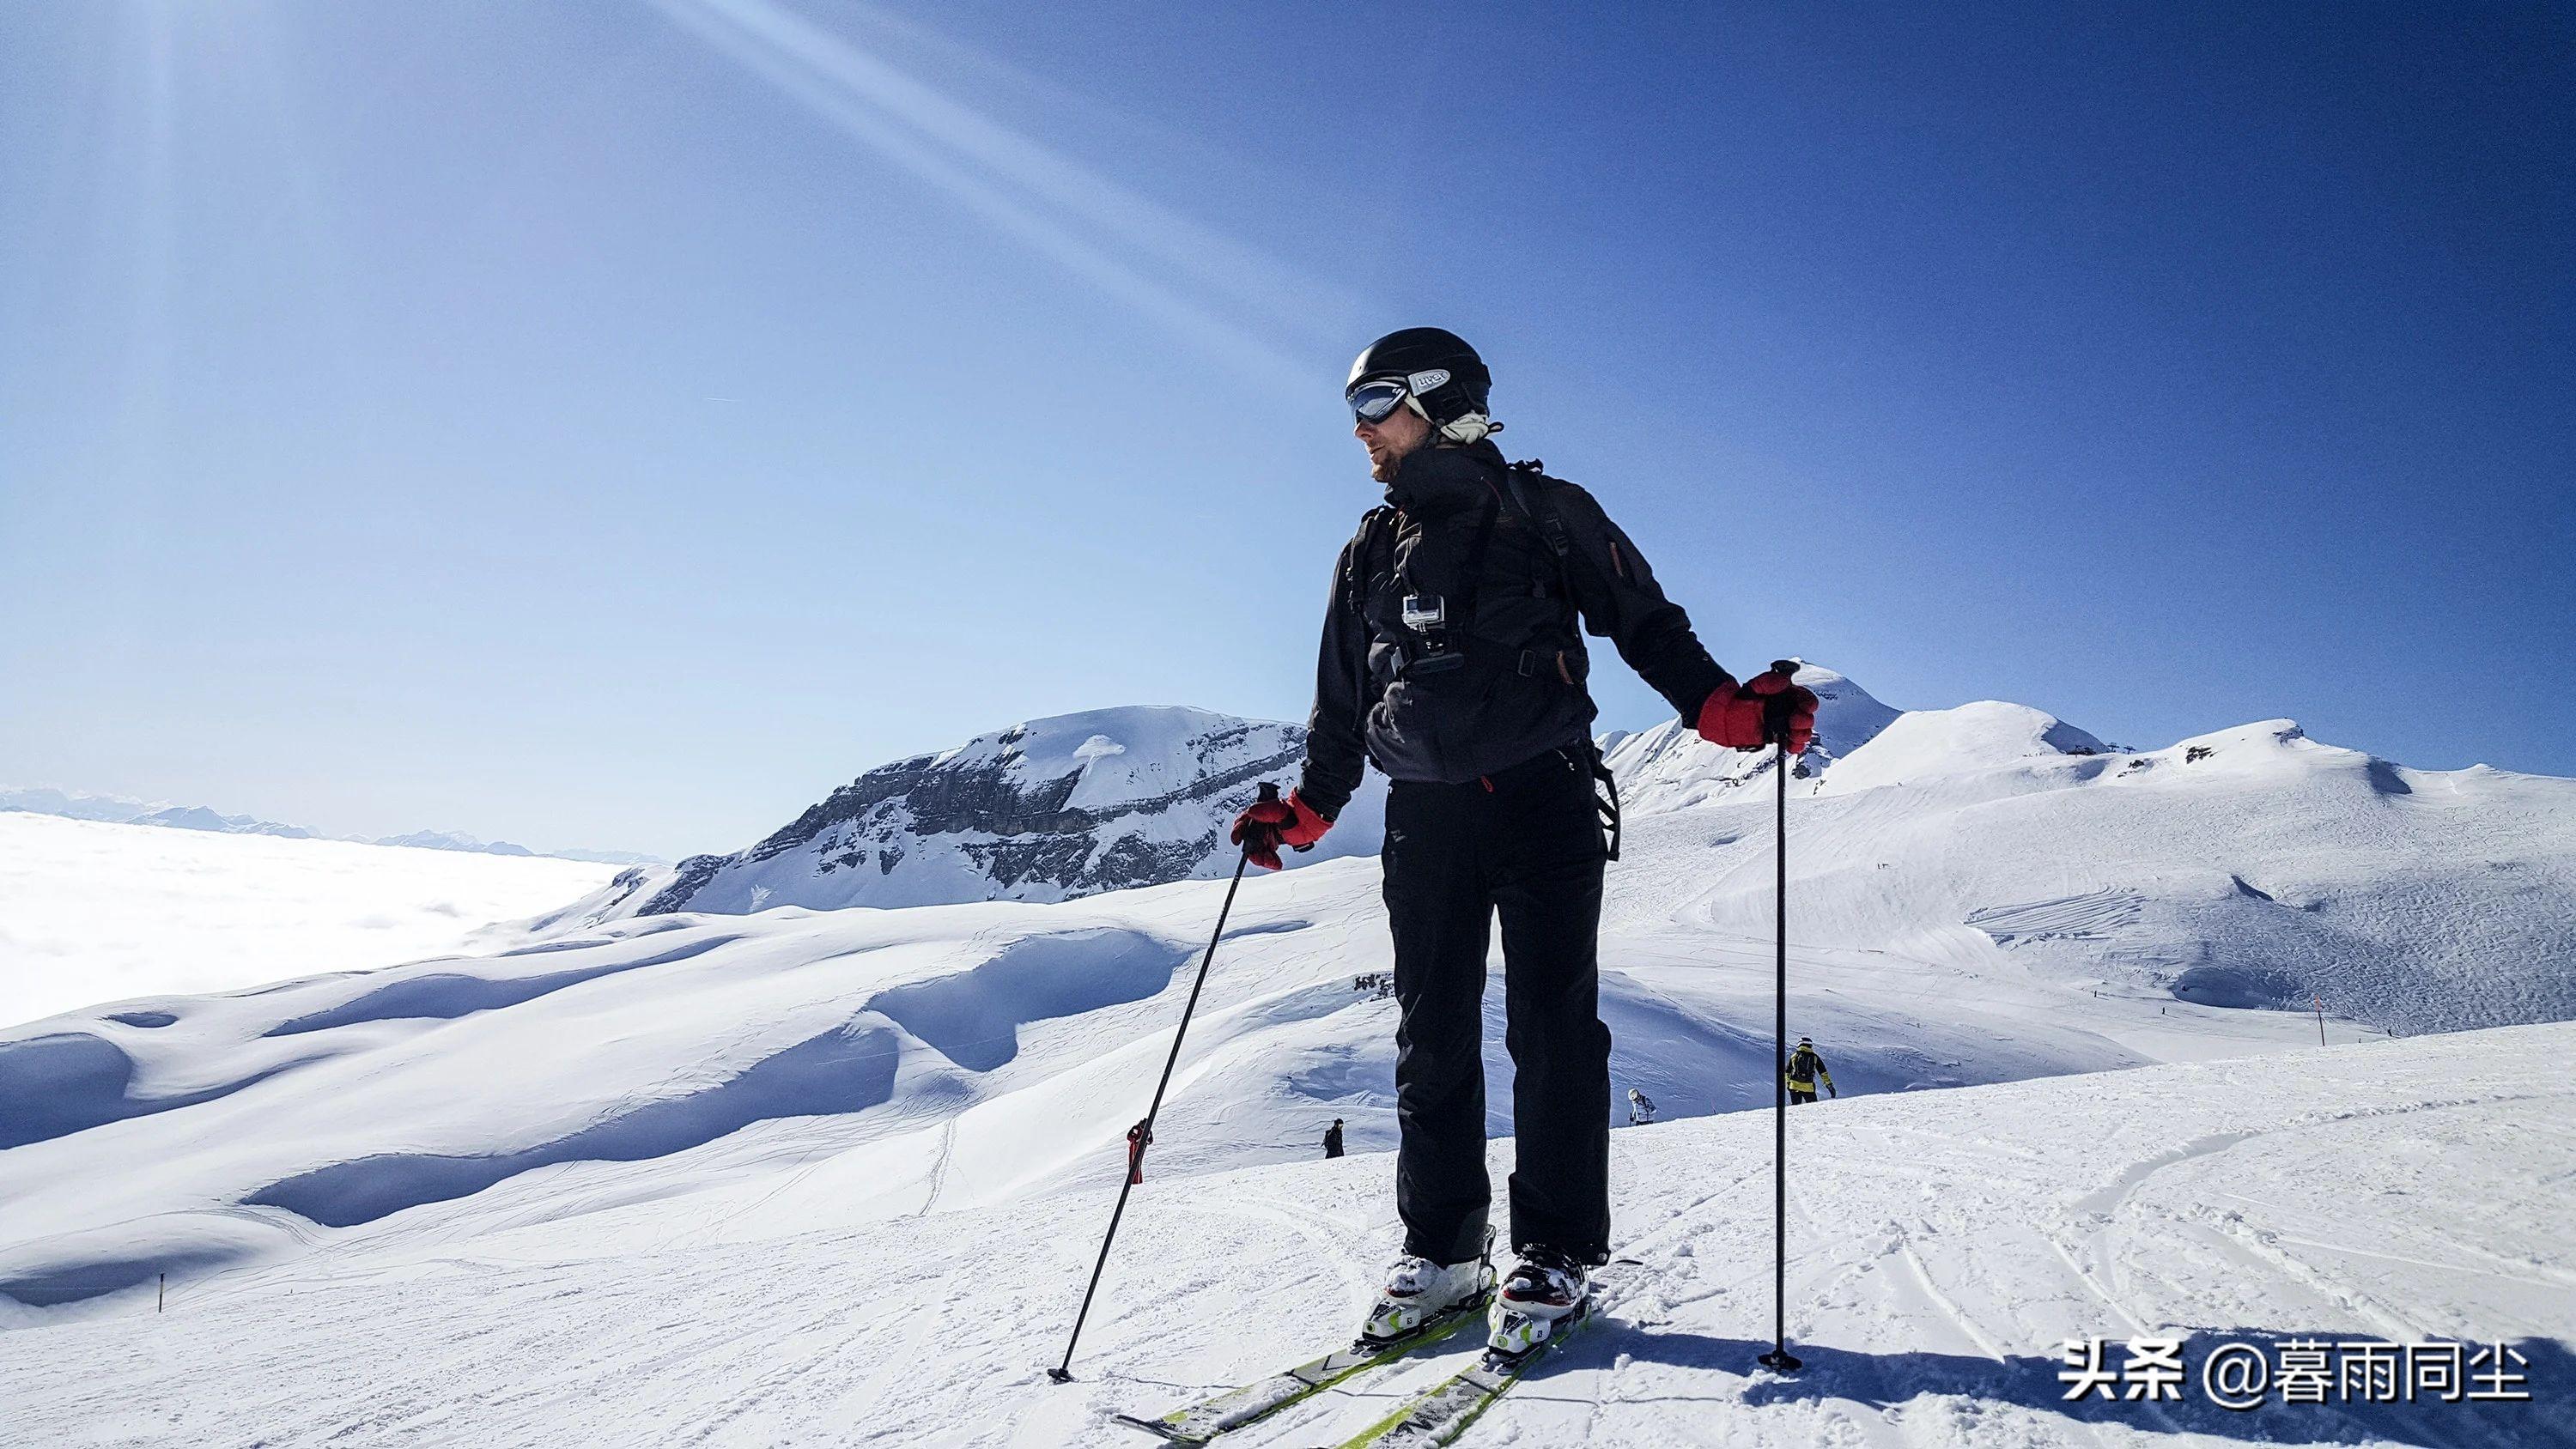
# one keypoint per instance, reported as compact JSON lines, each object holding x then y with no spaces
{"x":1135,"y":1160}
{"x":1779,"y":1359}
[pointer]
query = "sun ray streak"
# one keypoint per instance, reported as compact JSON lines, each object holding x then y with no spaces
{"x":1025,"y":189}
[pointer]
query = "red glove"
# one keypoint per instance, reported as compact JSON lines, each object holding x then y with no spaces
{"x":1767,"y":709}
{"x":1273,"y":822}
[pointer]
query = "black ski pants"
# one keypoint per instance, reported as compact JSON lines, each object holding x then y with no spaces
{"x":1524,"y":843}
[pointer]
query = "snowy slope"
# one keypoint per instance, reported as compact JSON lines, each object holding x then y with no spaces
{"x":1046,"y":810}
{"x":1979,"y":896}
{"x":93,"y":911}
{"x":1669,"y":767}
{"x":1996,"y":923}
{"x":1943,"y":1245}
{"x":953,"y":1054}
{"x":1994,"y":910}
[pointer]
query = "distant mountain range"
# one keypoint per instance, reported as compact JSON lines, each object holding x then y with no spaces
{"x":2248,"y":866}
{"x":1075,"y":805}
{"x":120,"y":810}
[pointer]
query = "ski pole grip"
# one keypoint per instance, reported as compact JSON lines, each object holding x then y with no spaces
{"x":1777,"y":709}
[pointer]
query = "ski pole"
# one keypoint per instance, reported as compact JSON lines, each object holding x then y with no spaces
{"x":1063,"y":1372}
{"x":1776,"y":724}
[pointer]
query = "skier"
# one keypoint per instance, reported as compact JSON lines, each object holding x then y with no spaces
{"x":1641,"y":1108}
{"x":1453,"y":659}
{"x":1138,"y":1139}
{"x":1333,"y":1139}
{"x":1805,"y":1070}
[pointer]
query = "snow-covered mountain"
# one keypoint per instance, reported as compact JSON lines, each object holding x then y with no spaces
{"x":1052,"y":809}
{"x":1669,"y":767}
{"x":198,"y":817}
{"x":121,"y":810}
{"x":73,"y":804}
{"x":2247,"y":867}
{"x":453,"y":840}
{"x":1047,"y":810}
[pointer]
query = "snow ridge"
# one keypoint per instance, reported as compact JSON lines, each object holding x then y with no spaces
{"x":1050,"y":809}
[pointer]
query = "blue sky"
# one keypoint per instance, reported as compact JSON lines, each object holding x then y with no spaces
{"x":614,"y":425}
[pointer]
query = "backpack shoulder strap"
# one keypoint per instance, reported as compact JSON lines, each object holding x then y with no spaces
{"x":1528,"y":486}
{"x":1375,"y":538}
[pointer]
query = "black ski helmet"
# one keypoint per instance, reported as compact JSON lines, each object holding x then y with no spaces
{"x":1436,"y":366}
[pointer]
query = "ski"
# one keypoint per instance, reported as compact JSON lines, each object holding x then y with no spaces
{"x":1442,"y":1412}
{"x":1200,"y":1422}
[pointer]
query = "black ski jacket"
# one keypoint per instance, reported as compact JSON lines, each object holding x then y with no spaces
{"x":1499,"y":679}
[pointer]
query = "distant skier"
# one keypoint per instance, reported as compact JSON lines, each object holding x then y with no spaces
{"x":1805,"y":1070}
{"x":1453,"y":659}
{"x":1641,"y":1108}
{"x":1333,"y":1139}
{"x":1138,"y":1139}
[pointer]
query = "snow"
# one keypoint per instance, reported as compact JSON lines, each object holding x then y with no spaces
{"x":1973,"y":737}
{"x":93,"y":911}
{"x":811,"y":1175}
{"x":1942,"y":1246}
{"x":1669,"y":767}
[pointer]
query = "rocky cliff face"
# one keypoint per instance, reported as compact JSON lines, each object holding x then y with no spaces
{"x":1047,"y":810}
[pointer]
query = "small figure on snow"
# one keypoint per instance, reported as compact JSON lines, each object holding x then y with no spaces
{"x":1805,"y":1070}
{"x":1333,"y":1139}
{"x":1139,"y":1137}
{"x":1641,"y":1108}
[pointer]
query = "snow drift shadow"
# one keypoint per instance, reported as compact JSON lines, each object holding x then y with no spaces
{"x":446,"y":995}
{"x":1884,"y":1381}
{"x":973,"y":1018}
{"x":96,"y":1278}
{"x":838,"y":1072}
{"x":66,"y":1082}
{"x":142,"y":1018}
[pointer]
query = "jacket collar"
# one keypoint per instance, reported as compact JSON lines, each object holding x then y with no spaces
{"x":1439,"y":480}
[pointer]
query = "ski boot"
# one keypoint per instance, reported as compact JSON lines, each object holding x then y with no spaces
{"x":1543,"y":1295}
{"x":1420,"y":1294}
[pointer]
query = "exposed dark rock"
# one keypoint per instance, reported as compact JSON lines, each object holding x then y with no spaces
{"x":1015,"y":819}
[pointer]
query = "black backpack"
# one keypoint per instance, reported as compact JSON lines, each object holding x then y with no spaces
{"x":1523,"y":484}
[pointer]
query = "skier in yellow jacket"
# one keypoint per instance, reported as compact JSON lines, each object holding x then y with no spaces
{"x":1805,"y":1070}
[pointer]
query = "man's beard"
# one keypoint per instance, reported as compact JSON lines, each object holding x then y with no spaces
{"x":1385,"y":472}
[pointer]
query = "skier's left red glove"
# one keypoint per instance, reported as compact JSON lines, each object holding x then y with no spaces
{"x":1272,"y":822}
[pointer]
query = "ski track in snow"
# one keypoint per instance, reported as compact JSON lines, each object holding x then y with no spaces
{"x":1942,"y":1244}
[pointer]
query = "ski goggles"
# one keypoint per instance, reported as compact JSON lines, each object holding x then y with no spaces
{"x":1372,"y":401}
{"x":1373,"y":398}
